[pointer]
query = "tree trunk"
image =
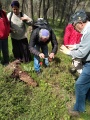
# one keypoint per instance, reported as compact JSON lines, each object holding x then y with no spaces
{"x":53,"y":12}
{"x":39,"y":12}
{"x":63,"y":11}
{"x":32,"y":9}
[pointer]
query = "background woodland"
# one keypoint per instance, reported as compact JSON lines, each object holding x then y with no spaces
{"x":50,"y":9}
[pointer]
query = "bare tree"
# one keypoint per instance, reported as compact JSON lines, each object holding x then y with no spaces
{"x":53,"y":11}
{"x":39,"y":12}
{"x":32,"y":9}
{"x":22,"y":7}
{"x":46,"y":5}
{"x":63,"y":11}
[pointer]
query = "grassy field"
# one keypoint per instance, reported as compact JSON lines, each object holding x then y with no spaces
{"x":49,"y":100}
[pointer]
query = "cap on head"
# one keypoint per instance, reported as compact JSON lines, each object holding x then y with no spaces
{"x":78,"y":16}
{"x":43,"y":33}
{"x":15,"y":3}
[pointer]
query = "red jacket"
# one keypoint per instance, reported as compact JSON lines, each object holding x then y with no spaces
{"x":4,"y":25}
{"x":71,"y":36}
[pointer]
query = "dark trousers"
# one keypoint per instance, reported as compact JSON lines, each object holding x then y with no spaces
{"x":21,"y":50}
{"x":4,"y":50}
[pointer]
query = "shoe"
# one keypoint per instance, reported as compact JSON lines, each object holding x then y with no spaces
{"x":72,"y":70}
{"x":5,"y":64}
{"x":73,"y":113}
{"x":38,"y":72}
{"x":46,"y":66}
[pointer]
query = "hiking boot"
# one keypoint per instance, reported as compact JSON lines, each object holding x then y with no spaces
{"x":5,"y":64}
{"x":73,"y":113}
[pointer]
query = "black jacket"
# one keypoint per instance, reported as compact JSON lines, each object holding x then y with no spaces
{"x":35,"y":40}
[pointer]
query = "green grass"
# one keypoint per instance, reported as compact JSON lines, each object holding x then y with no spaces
{"x":47,"y":101}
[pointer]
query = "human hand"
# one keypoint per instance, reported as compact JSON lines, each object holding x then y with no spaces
{"x":64,"y":49}
{"x":70,"y":47}
{"x":41,"y":55}
{"x":24,"y":18}
{"x":51,"y":55}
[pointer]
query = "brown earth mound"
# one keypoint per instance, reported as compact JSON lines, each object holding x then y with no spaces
{"x":18,"y":73}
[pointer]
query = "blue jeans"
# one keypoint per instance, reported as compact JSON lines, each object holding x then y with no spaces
{"x":44,"y":49}
{"x":4,"y":49}
{"x":82,"y":88}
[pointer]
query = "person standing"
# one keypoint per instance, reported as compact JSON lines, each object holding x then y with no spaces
{"x":82,"y":86}
{"x":4,"y":33}
{"x":18,"y":32}
{"x":71,"y":38}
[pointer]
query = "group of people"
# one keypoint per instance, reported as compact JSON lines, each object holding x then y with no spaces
{"x":76,"y":44}
{"x":15,"y":24}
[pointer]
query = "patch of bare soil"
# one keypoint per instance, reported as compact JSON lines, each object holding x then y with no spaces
{"x":18,"y":73}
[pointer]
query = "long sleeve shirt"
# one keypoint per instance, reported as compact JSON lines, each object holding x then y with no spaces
{"x":4,"y":25}
{"x":18,"y":26}
{"x":83,"y":49}
{"x":35,"y":40}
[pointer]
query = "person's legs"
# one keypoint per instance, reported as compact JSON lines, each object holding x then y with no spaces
{"x":16,"y":48}
{"x":25,"y":53}
{"x":45,"y":51}
{"x":82,"y":86}
{"x":37,"y":60}
{"x":5,"y":51}
{"x":88,"y":95}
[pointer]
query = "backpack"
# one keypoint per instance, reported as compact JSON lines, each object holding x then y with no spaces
{"x":40,"y":23}
{"x":21,"y":15}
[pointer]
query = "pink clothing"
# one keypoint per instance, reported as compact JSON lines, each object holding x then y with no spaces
{"x":71,"y":36}
{"x":4,"y":26}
